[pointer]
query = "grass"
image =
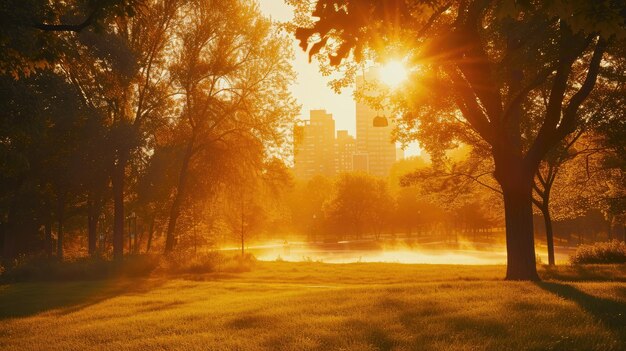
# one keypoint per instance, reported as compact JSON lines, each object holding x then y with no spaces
{"x":315,"y":306}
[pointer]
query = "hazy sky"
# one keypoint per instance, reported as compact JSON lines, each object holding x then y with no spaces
{"x":310,"y":88}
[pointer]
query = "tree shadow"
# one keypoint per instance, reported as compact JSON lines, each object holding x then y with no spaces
{"x":591,"y":273}
{"x":28,"y":299}
{"x":611,"y":313}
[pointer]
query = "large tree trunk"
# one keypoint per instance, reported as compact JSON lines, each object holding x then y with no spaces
{"x":117,"y":180}
{"x":178,"y":197}
{"x":545,"y":210}
{"x":520,"y":242}
{"x":516,"y":181}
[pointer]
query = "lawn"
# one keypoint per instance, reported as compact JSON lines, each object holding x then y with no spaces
{"x":316,"y":306}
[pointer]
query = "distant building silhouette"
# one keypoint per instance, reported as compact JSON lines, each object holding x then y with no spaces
{"x":318,"y":152}
{"x":373,"y":132}
{"x":314,"y":146}
{"x":346,"y":148}
{"x":360,"y":163}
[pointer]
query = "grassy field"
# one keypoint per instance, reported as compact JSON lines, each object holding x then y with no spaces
{"x":315,"y":306}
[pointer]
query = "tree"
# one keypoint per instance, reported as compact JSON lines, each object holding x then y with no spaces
{"x":613,"y":140}
{"x":544,"y":181}
{"x":47,"y":142}
{"x":409,"y":209}
{"x":250,"y":199}
{"x":233,"y":73}
{"x":123,"y":72}
{"x":356,"y":205}
{"x":480,"y":62}
{"x":244,"y":214}
{"x":459,"y":191}
{"x":382,"y":209}
{"x":306,"y":204}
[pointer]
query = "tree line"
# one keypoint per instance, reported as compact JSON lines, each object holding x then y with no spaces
{"x":135,"y":119}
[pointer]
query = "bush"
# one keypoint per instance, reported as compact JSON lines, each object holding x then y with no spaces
{"x":608,"y":252}
{"x":42,"y":268}
{"x":237,"y":263}
{"x":181,"y":262}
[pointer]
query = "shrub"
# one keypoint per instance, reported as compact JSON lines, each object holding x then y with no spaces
{"x":237,"y":263}
{"x":181,"y":262}
{"x":607,"y":252}
{"x":42,"y":268}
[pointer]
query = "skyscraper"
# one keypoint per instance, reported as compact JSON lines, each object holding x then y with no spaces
{"x":346,"y":148}
{"x":373,"y":133}
{"x":314,"y":146}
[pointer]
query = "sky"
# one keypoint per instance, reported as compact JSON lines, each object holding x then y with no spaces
{"x":311,"y":88}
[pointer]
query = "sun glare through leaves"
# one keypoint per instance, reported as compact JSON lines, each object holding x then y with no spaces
{"x":393,"y":73}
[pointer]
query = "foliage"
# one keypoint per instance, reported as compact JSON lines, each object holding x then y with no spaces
{"x":612,"y":138}
{"x":181,"y":262}
{"x":603,"y":252}
{"x":41,"y":268}
{"x":36,"y":34}
{"x":359,"y":203}
{"x":142,"y":101}
{"x":177,"y":263}
{"x":232,"y":71}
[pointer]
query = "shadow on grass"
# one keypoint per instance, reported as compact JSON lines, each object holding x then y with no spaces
{"x":599,"y":273}
{"x":610,"y":312}
{"x":27,"y":299}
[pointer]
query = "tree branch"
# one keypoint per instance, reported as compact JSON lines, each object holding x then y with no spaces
{"x":570,"y":113}
{"x":69,"y":27}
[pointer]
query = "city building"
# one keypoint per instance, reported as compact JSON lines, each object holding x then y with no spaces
{"x":345,"y":150}
{"x":314,"y":146}
{"x":317,"y":151}
{"x":360,"y":163}
{"x":373,"y":132}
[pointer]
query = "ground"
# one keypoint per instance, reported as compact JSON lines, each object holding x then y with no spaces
{"x":316,"y":306}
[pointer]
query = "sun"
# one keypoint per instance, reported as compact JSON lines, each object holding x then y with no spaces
{"x":393,"y":73}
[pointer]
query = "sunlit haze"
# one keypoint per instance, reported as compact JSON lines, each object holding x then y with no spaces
{"x":393,"y":73}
